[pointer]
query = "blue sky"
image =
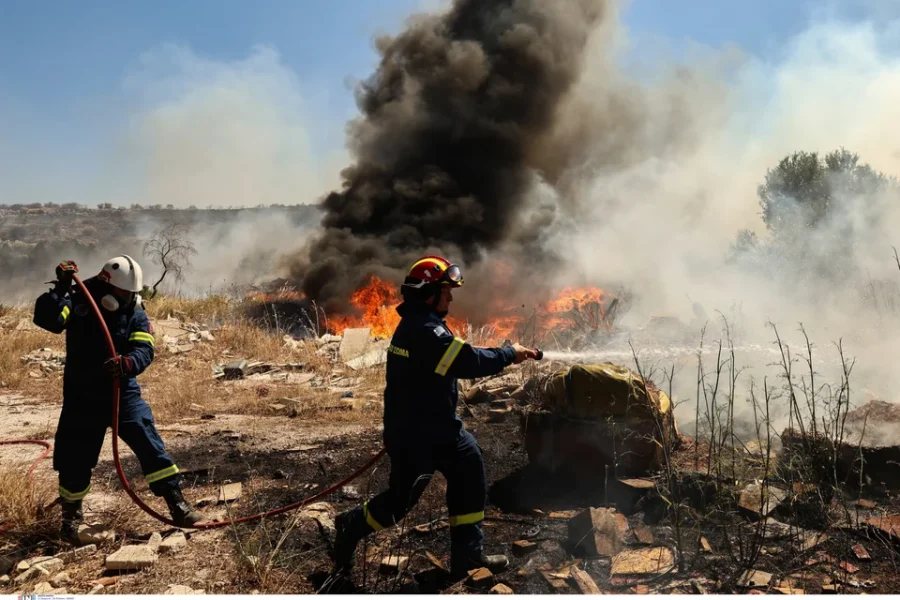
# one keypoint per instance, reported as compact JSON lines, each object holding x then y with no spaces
{"x":67,"y":69}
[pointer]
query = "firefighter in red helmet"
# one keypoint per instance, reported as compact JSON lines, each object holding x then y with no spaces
{"x":422,"y":432}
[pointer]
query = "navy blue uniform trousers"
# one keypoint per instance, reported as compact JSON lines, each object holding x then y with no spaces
{"x":412,"y":467}
{"x":79,"y":439}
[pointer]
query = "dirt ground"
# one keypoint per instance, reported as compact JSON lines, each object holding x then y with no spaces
{"x":280,"y":460}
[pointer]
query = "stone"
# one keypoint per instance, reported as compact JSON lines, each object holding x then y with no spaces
{"x":43,"y":587}
{"x":523,"y":547}
{"x":4,"y":579}
{"x":61,"y":579}
{"x":481,"y":577}
{"x":643,"y":561}
{"x":761,"y":500}
{"x":23,"y":566}
{"x":96,"y":589}
{"x":704,"y":545}
{"x":598,"y":531}
{"x":642,"y":534}
{"x":230,"y":492}
{"x":585,"y":582}
{"x":394,"y":564}
{"x":753,"y":578}
{"x":131,"y":558}
{"x":354,"y":343}
{"x":77,"y":553}
{"x":95,"y":534}
{"x":236,"y":369}
{"x":155,"y":541}
{"x":174,"y":543}
{"x":501,"y":589}
{"x":32,"y":573}
{"x":182,"y":590}
{"x":861,"y":553}
{"x":498,"y":415}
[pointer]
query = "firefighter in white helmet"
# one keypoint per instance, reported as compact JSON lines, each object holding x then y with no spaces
{"x":87,"y":386}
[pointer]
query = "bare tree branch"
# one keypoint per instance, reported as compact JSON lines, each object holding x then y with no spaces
{"x":171,"y":249}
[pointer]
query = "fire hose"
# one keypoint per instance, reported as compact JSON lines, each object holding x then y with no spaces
{"x":118,"y":463}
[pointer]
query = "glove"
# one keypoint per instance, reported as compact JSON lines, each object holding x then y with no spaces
{"x":64,"y":272}
{"x":119,"y":367}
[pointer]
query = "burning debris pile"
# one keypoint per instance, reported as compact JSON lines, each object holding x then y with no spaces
{"x":573,"y":317}
{"x":596,"y":421}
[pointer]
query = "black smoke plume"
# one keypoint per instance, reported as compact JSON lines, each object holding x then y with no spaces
{"x":452,"y":134}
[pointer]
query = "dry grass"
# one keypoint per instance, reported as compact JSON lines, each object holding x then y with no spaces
{"x":19,"y":501}
{"x":210,"y":309}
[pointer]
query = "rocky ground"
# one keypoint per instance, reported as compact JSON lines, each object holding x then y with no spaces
{"x":269,"y":432}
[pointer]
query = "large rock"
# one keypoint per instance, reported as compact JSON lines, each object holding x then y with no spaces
{"x":598,"y":531}
{"x":597,"y":422}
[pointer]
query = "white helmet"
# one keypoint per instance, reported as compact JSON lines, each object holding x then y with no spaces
{"x":124,"y":273}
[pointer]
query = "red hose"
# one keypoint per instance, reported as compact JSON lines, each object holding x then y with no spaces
{"x":121,"y":473}
{"x":30,"y":474}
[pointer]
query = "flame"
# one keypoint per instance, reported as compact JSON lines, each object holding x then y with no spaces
{"x":375,"y":306}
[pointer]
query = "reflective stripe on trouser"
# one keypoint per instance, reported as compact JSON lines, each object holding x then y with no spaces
{"x":412,"y":468}
{"x":79,"y":438}
{"x":70,"y":496}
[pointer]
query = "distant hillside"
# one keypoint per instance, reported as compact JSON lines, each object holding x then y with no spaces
{"x":235,"y":245}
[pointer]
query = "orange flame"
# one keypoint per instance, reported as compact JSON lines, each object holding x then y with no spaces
{"x":375,"y":305}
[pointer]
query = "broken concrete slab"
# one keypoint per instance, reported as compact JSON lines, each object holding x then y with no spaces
{"x":498,"y":415}
{"x":61,"y":579}
{"x":77,"y":553}
{"x":523,"y":547}
{"x":584,"y":582}
{"x":752,"y":578}
{"x":48,"y":563}
{"x":30,"y":574}
{"x":131,"y":558}
{"x":861,"y":553}
{"x":888,"y":525}
{"x":643,"y":561}
{"x":481,"y":577}
{"x":598,"y":531}
{"x":230,"y":492}
{"x":374,"y":356}
{"x":236,"y":369}
{"x":174,"y":543}
{"x":155,"y":541}
{"x":182,"y":590}
{"x":761,"y":499}
{"x":393,"y":564}
{"x":354,"y":343}
{"x":95,"y":534}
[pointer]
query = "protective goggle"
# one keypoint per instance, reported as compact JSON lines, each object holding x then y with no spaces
{"x":452,"y":275}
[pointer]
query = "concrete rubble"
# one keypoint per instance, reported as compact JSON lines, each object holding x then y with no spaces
{"x":131,"y":558}
{"x":44,"y":362}
{"x":598,"y":531}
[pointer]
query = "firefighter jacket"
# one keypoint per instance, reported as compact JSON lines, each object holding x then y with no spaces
{"x":423,"y":363}
{"x":85,"y":379}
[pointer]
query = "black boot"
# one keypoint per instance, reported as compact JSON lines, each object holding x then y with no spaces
{"x":461,"y":566}
{"x":350,"y":528}
{"x":72,"y":518}
{"x":181,"y":511}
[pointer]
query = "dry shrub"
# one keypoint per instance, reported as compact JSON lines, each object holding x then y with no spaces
{"x":20,"y":499}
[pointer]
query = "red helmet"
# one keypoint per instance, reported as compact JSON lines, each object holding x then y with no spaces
{"x":433,"y":270}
